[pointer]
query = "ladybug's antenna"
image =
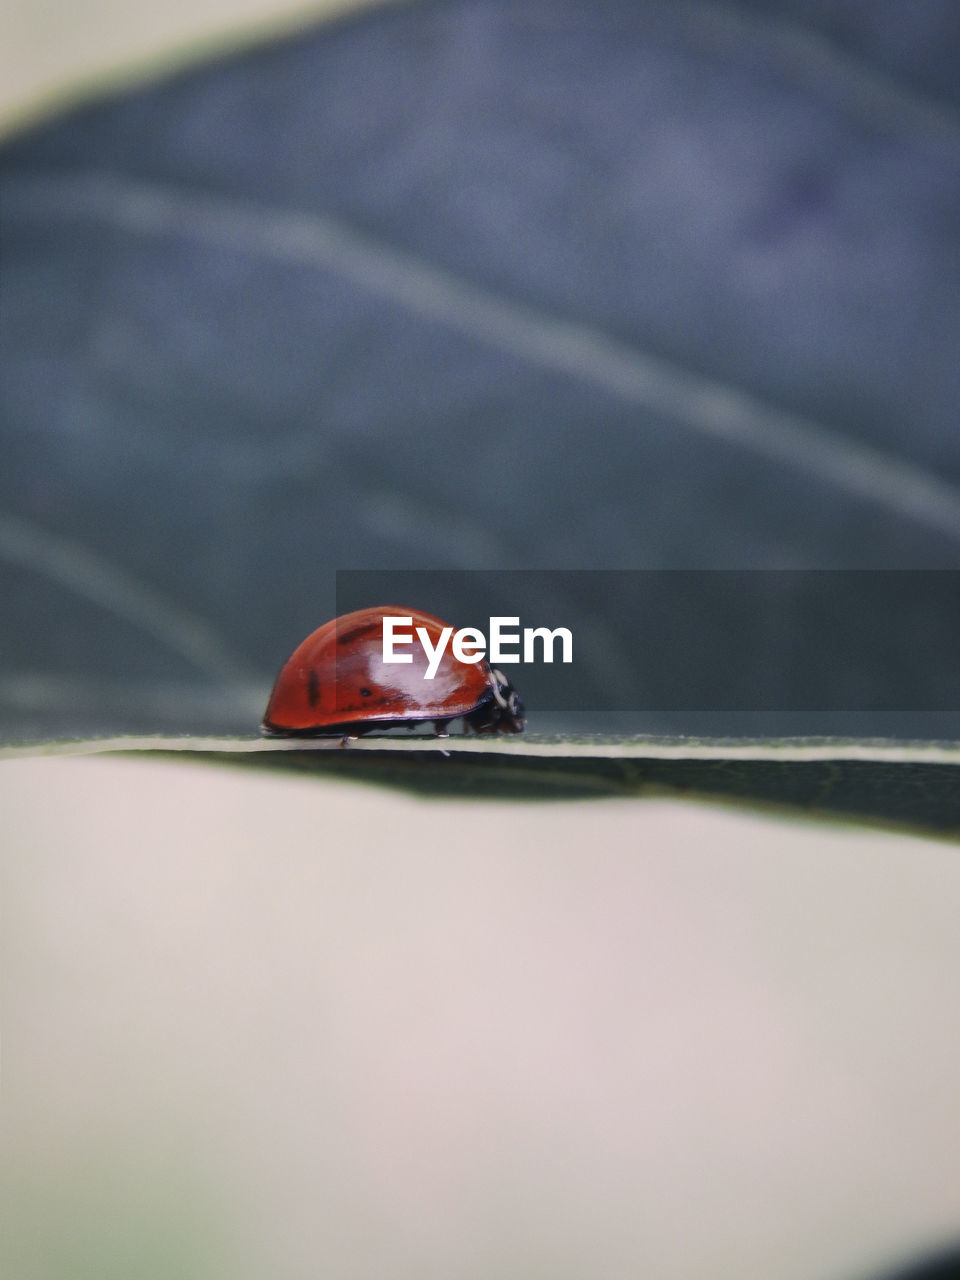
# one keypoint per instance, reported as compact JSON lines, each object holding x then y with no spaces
{"x":497,"y":679}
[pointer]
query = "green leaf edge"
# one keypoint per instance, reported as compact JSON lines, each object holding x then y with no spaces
{"x":907,"y":786}
{"x":603,"y":747}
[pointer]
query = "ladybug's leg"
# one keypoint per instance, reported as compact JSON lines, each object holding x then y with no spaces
{"x":440,"y":728}
{"x":347,"y":739}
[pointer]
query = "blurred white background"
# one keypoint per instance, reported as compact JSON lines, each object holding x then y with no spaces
{"x":54,"y":50}
{"x":257,"y":1025}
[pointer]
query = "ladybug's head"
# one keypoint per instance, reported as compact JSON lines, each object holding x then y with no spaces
{"x":506,"y":701}
{"x":500,"y":710}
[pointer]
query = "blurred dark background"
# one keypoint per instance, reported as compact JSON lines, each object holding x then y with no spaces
{"x":475,"y":284}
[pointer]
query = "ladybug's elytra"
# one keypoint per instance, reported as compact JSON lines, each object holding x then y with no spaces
{"x":336,"y":682}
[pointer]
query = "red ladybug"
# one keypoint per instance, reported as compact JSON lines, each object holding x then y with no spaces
{"x":337,"y":682}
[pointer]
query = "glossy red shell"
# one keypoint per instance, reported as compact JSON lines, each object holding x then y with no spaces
{"x":337,"y":678}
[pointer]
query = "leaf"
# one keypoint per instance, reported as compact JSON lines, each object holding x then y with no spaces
{"x":904,"y":784}
{"x":473,"y":285}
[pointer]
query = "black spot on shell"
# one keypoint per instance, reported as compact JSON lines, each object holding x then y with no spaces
{"x":365,"y":692}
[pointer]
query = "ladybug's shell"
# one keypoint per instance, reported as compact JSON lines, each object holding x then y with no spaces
{"x":337,"y":678}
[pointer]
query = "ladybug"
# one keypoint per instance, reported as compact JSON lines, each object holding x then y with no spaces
{"x":336,"y":682}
